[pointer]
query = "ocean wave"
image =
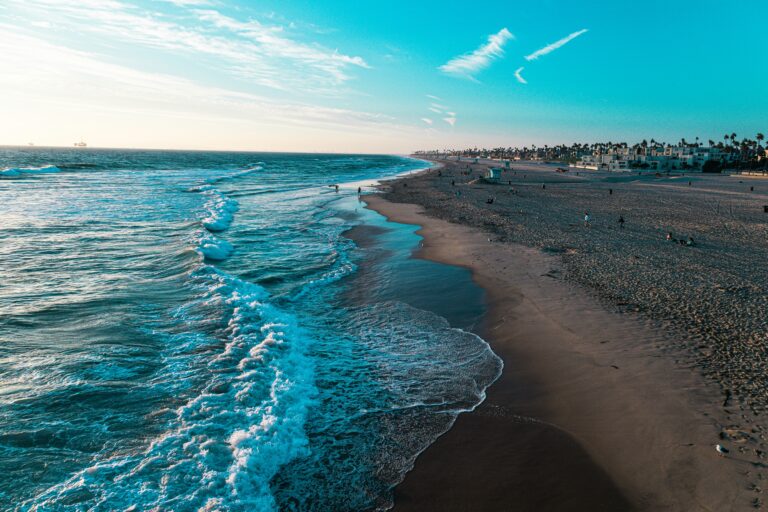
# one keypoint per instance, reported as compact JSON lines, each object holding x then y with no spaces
{"x":222,"y":448}
{"x":391,"y":379}
{"x":80,"y":165}
{"x":341,"y":268}
{"x":212,"y":248}
{"x":12,"y":172}
{"x":220,"y":210}
{"x":238,"y":174}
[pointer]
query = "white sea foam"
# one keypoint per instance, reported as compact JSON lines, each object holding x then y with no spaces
{"x":212,"y":248}
{"x":391,"y":379}
{"x":220,"y":210}
{"x":343,"y":267}
{"x":237,"y":174}
{"x":223,"y":446}
{"x":18,"y":171}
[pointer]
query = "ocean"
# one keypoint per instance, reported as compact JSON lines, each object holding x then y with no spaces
{"x":191,"y":331}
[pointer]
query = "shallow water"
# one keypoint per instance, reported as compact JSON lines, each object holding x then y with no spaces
{"x":192,"y":330}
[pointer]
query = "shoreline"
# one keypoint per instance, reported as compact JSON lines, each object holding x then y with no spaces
{"x":589,"y":412}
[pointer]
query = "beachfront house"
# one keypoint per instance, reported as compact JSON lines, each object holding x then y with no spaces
{"x":650,"y":158}
{"x":590,"y":162}
{"x":603,"y":162}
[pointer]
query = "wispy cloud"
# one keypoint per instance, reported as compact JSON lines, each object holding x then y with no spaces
{"x":72,"y":77}
{"x":554,"y":46}
{"x":274,"y":44}
{"x":187,"y":3}
{"x":468,"y":64}
{"x":441,"y":109}
{"x":247,"y":49}
{"x":519,"y":76}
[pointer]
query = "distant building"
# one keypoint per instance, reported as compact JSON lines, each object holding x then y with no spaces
{"x":651,"y":158}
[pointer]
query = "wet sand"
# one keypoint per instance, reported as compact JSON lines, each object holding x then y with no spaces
{"x":598,"y":408}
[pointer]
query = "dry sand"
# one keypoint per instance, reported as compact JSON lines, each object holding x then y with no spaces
{"x":616,"y":355}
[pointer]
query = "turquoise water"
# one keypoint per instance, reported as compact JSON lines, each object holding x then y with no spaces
{"x":199,"y":331}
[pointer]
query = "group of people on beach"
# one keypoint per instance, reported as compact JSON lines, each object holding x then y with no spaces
{"x":588,"y":219}
{"x":336,"y":187}
{"x":688,"y":243}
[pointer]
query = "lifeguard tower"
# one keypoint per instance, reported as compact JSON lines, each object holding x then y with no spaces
{"x":493,"y":174}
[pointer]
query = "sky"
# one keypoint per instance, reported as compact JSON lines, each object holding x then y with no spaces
{"x":378,"y":77}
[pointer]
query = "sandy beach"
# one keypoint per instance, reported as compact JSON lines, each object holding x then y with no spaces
{"x":627,"y":357}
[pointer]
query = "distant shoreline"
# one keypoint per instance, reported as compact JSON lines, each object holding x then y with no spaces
{"x":595,"y":409}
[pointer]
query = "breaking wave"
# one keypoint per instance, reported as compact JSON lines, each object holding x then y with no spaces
{"x":220,"y":449}
{"x":220,"y":210}
{"x":12,"y":172}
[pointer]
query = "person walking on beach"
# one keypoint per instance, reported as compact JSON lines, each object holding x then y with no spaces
{"x":621,"y":222}
{"x":586,"y":219}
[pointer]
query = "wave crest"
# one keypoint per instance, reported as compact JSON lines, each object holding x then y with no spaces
{"x":222,"y":447}
{"x":13,"y":172}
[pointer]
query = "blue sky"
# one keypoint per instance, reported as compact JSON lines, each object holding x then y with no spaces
{"x":378,"y":77}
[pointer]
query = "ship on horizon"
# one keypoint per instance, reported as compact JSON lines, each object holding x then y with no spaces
{"x":81,"y":144}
